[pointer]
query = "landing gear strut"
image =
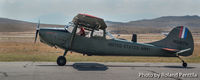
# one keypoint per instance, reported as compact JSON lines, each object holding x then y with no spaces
{"x":61,"y":60}
{"x":184,"y":64}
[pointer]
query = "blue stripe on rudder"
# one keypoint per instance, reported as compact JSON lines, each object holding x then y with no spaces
{"x":186,"y":30}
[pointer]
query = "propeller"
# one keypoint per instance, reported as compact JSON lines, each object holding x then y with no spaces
{"x":37,"y":30}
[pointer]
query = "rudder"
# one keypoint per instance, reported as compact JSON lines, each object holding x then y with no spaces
{"x":179,"y":38}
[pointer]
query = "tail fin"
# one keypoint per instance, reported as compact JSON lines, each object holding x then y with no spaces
{"x":179,"y":38}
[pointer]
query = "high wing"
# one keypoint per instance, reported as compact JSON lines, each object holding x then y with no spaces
{"x":89,"y":22}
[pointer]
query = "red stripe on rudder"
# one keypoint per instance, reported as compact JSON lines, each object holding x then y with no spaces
{"x":181,"y":31}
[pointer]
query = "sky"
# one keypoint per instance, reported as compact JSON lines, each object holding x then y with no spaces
{"x":63,"y":11}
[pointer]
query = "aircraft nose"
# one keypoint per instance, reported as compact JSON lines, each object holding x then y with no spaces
{"x":42,"y":35}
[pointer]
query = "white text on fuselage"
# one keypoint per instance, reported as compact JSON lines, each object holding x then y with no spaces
{"x":128,"y":46}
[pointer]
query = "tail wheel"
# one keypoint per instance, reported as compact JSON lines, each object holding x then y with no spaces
{"x":61,"y":61}
{"x":184,"y":64}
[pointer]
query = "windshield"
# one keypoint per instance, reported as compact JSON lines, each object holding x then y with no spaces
{"x":69,"y":27}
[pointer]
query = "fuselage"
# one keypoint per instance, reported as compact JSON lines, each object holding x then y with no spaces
{"x":99,"y":45}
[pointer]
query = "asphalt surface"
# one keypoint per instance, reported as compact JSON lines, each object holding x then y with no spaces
{"x":98,"y":71}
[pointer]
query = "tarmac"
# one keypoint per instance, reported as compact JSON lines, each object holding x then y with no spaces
{"x":98,"y":71}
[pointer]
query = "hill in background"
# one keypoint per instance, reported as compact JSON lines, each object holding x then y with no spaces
{"x":9,"y":25}
{"x":157,"y":25}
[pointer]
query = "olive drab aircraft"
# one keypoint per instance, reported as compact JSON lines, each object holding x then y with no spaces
{"x":78,"y":36}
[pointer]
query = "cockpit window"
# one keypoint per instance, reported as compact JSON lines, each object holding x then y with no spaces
{"x":86,"y":33}
{"x":98,"y":33}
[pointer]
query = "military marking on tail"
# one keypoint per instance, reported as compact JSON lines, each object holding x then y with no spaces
{"x":184,"y":43}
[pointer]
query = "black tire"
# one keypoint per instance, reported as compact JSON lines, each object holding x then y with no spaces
{"x":61,"y":61}
{"x":184,"y":65}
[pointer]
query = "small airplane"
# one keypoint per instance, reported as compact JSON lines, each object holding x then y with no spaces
{"x":73,"y":37}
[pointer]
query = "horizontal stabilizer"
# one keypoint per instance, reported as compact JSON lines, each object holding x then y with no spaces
{"x":176,"y":51}
{"x":184,"y":50}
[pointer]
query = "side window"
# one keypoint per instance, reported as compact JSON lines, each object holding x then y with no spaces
{"x":98,"y":33}
{"x":82,"y":32}
{"x":109,"y":36}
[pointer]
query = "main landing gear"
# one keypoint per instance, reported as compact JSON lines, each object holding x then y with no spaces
{"x":61,"y":60}
{"x":184,"y":64}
